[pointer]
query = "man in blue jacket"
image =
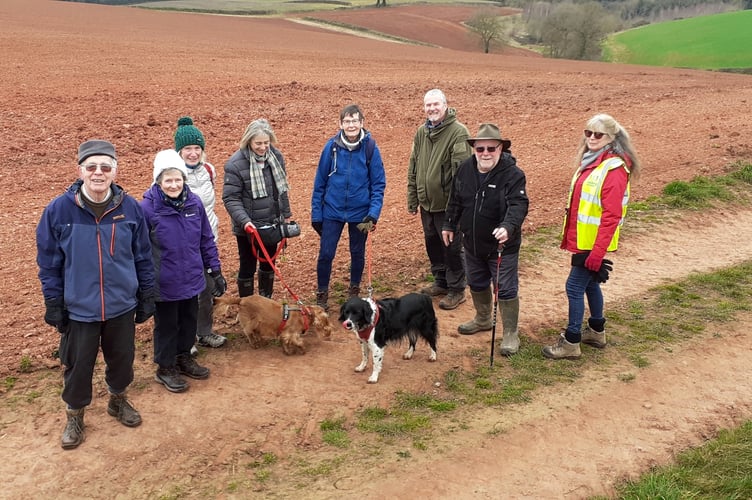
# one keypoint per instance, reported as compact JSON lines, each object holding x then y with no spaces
{"x":97,"y":276}
{"x":348,"y":189}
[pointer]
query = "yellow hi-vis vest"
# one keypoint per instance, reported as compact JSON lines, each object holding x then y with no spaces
{"x":589,"y":210}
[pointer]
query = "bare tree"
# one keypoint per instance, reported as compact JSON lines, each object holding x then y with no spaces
{"x":487,"y":25}
{"x":576,"y":31}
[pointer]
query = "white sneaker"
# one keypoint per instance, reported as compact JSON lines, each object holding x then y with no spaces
{"x":194,"y":351}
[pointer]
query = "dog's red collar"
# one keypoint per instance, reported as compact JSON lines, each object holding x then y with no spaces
{"x":366,"y":332}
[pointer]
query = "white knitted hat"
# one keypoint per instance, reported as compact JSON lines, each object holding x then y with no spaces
{"x":168,"y":159}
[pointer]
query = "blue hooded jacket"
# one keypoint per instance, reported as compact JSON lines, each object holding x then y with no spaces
{"x":182,"y":245}
{"x":346,"y":187}
{"x":96,"y":266}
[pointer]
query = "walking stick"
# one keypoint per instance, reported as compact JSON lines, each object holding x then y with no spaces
{"x":495,"y":290}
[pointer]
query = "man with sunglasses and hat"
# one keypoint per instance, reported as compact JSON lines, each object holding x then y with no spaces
{"x":488,"y":204}
{"x":95,"y":265}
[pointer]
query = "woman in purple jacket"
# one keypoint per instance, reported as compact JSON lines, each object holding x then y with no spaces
{"x":182,"y":247}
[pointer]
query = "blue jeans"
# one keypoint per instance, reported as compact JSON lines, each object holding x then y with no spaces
{"x":331,"y":230}
{"x":580,"y":284}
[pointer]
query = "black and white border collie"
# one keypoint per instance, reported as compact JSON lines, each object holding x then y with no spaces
{"x":377,"y":323}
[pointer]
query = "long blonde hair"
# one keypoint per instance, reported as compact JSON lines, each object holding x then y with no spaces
{"x":621,"y":144}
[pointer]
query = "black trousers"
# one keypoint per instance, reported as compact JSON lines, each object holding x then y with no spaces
{"x":174,"y":330}
{"x":79,"y":347}
{"x":447,"y":264}
{"x":248,"y":261}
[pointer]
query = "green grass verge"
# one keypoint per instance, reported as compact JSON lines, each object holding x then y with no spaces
{"x":720,"y":41}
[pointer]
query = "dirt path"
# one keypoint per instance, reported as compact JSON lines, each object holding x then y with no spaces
{"x":570,"y":442}
{"x":71,"y":77}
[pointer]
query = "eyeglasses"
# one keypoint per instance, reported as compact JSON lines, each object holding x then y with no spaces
{"x":106,"y":168}
{"x":490,"y":149}
{"x":350,"y":122}
{"x":596,"y":135}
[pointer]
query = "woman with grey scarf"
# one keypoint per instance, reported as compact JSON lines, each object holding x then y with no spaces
{"x":255,"y":194}
{"x":605,"y":165}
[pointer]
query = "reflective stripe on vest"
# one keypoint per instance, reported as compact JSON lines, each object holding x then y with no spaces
{"x":590,"y":209}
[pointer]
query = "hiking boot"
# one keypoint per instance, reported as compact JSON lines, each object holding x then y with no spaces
{"x":73,"y":435}
{"x":482,"y":320}
{"x":434,"y":290}
{"x":211,"y":340}
{"x":171,"y":379}
{"x":120,"y":408}
{"x":187,"y":366}
{"x":353,"y":291}
{"x":562,"y":350}
{"x":322,"y":299}
{"x":593,"y":338}
{"x":594,"y":333}
{"x":452,"y":300}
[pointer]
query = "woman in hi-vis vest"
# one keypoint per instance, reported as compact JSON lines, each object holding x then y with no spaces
{"x":606,"y":163}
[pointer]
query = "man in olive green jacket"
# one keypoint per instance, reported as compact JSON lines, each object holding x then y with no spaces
{"x":439,"y":146}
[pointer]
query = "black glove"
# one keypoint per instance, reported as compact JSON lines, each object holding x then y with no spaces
{"x":602,"y":275}
{"x":368,"y":225}
{"x":55,"y":314}
{"x":220,"y":284}
{"x":145,"y":308}
{"x":317,"y":226}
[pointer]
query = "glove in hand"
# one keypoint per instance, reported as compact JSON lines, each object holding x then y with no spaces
{"x":602,"y":275}
{"x":368,"y":225}
{"x":593,"y":262}
{"x":220,"y":284}
{"x":317,"y":226}
{"x":145,"y":308}
{"x":55,"y":314}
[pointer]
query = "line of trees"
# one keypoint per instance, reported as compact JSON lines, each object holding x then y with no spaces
{"x":575,"y":29}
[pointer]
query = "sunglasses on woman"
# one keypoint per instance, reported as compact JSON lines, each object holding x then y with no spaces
{"x":597,"y":135}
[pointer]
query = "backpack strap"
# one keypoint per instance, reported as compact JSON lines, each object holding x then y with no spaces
{"x":210,"y":168}
{"x":370,"y":147}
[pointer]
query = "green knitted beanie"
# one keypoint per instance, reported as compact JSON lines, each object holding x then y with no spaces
{"x":188,"y":134}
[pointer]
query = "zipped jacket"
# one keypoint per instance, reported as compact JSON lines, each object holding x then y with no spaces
{"x":478,"y":205}
{"x":348,"y":186}
{"x":436,"y":154}
{"x":597,"y":205}
{"x":182,"y":245}
{"x":238,"y":198}
{"x":201,"y":181}
{"x":96,"y":265}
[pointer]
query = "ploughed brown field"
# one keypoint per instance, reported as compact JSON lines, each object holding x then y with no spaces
{"x":77,"y":71}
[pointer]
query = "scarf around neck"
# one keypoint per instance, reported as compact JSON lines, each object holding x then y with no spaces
{"x":257,"y":163}
{"x":176,"y":203}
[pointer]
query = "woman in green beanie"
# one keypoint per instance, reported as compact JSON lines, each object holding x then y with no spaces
{"x":190,"y":144}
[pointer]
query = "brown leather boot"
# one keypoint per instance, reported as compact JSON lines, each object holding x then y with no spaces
{"x":73,"y":435}
{"x":563,"y":349}
{"x":453,"y":299}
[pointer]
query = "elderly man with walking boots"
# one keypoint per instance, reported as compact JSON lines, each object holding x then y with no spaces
{"x":488,"y":204}
{"x":439,"y":146}
{"x":95,"y":265}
